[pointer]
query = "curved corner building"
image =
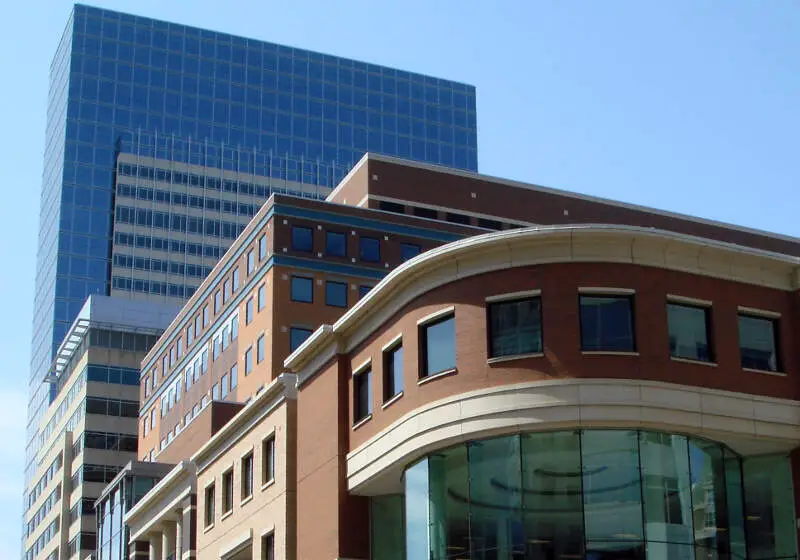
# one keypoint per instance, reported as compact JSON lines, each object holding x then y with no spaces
{"x":598,"y":392}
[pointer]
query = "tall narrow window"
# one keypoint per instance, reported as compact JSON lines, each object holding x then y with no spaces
{"x":209,"y":505}
{"x":302,"y":239}
{"x":758,"y":342}
{"x":223,"y":384}
{"x":260,"y":349}
{"x":226,"y":290}
{"x":235,"y":279}
{"x":234,"y":376}
{"x":268,"y":547}
{"x":217,"y":302}
{"x":302,"y":289}
{"x":438,"y":340}
{"x":197,"y":326}
{"x":362,"y":394}
{"x":248,"y":312}
{"x":515,"y":327}
{"x":248,"y":361}
{"x":227,"y":491}
{"x":268,"y":460}
{"x":335,"y":244}
{"x":247,"y":476}
{"x":262,"y":247}
{"x":251,"y":262}
{"x":393,"y":371}
{"x":215,"y":392}
{"x":607,"y":323}
{"x":206,"y":318}
{"x":689,"y":327}
{"x":262,"y":296}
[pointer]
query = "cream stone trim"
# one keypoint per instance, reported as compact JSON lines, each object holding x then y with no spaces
{"x":363,"y":421}
{"x":392,"y":400}
{"x":764,"y":371}
{"x":435,"y":376}
{"x":610,"y":291}
{"x":759,"y":312}
{"x":513,"y":296}
{"x":430,"y":318}
{"x":398,"y":338}
{"x":608,"y":353}
{"x":235,"y":545}
{"x":749,"y":423}
{"x":512,"y":357}
{"x":362,"y":367}
{"x":535,"y":246}
{"x":674,"y":298}
{"x":690,"y":361}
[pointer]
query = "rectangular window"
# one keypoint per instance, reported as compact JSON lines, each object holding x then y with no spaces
{"x":336,"y":294}
{"x":235,"y":279}
{"x":248,"y":311}
{"x":426,"y":213}
{"x":438,"y":346}
{"x":297,"y":336}
{"x":251,"y":262}
{"x":223,"y":385}
{"x":302,"y":239}
{"x":227,"y":491}
{"x":217,"y":302}
{"x":235,"y":327}
{"x":216,"y":348}
{"x":234,"y":376}
{"x":179,"y":348}
{"x":515,"y":327}
{"x":489,"y":224}
{"x":689,"y":332}
{"x":226,"y":290}
{"x":226,"y":333}
{"x":206,"y":318}
{"x":262,"y":248}
{"x":370,"y":249}
{"x":209,"y":503}
{"x":189,"y":337}
{"x":262,"y":296}
{"x":260,"y":349}
{"x":248,"y":361}
{"x":215,"y":392}
{"x":247,"y":476}
{"x":607,"y":323}
{"x":409,"y":251}
{"x":197,"y":326}
{"x":457,"y":218}
{"x":302,"y":289}
{"x":268,"y":547}
{"x":147,"y":387}
{"x":362,"y":394}
{"x":758,"y":342}
{"x":363,"y":290}
{"x":268,"y":460}
{"x":335,"y":244}
{"x":393,"y":371}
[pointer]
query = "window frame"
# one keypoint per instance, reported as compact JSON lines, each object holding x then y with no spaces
{"x":260,"y":348}
{"x":251,"y":262}
{"x":336,"y":283}
{"x":361,"y":373}
{"x":608,"y":293}
{"x":706,"y":307}
{"x":387,"y":354}
{"x":305,"y":229}
{"x":775,"y":320}
{"x":294,"y":277}
{"x":268,"y":466}
{"x":361,"y":252}
{"x":248,"y":361}
{"x":294,"y":328}
{"x":328,"y":252}
{"x":210,"y":514}
{"x":493,"y":302}
{"x":423,"y":325}
{"x":247,"y":461}
{"x":249,"y":310}
{"x":404,"y":245}
{"x":227,"y":493}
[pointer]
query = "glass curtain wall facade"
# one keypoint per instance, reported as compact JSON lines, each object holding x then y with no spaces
{"x":114,"y":73}
{"x":593,"y":494}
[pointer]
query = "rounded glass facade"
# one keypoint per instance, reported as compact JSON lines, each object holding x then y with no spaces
{"x":597,"y":494}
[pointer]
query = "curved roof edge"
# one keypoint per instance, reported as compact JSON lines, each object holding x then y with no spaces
{"x":543,"y":245}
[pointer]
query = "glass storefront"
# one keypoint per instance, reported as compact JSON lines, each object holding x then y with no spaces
{"x":590,"y":494}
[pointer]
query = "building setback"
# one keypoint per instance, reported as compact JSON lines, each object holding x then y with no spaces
{"x":434,"y":363}
{"x":163,"y":140}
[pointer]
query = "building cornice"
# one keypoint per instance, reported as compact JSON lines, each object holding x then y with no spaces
{"x":544,"y":245}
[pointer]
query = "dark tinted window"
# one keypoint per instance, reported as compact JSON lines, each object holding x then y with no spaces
{"x":336,"y":294}
{"x":335,"y":244}
{"x":297,"y":336}
{"x":758,"y":343}
{"x":362,"y":405}
{"x":392,"y":207}
{"x":438,"y":346}
{"x":363,"y":290}
{"x":688,"y":332}
{"x":302,"y":239}
{"x":489,"y":224}
{"x":457,"y":218}
{"x":426,"y":213}
{"x":370,"y":249}
{"x":302,"y":289}
{"x":515,"y":327}
{"x":393,"y":372}
{"x":409,"y":251}
{"x":607,"y":323}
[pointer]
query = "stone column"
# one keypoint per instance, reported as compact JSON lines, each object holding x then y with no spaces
{"x":167,"y":541}
{"x":155,"y":546}
{"x":179,"y":536}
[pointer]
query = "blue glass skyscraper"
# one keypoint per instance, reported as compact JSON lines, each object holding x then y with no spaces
{"x":238,"y":105}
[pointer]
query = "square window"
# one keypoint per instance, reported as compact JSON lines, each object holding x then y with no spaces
{"x":363,"y":290}
{"x":607,"y":323}
{"x":362,"y":395}
{"x":393,"y":371}
{"x":515,"y":327}
{"x":297,"y":336}
{"x":335,"y":244}
{"x":227,"y":491}
{"x":268,"y":460}
{"x":262,"y":296}
{"x":251,"y":262}
{"x":302,"y":289}
{"x":336,"y":294}
{"x":260,"y":349}
{"x":209,"y":505}
{"x":247,"y":476}
{"x":248,"y":311}
{"x":302,"y":239}
{"x":758,"y":342}
{"x":248,"y":361}
{"x":369,"y":249}
{"x":689,"y":332}
{"x":438,"y":346}
{"x":409,"y":251}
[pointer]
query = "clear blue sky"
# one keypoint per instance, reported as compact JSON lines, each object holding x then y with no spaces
{"x":688,"y":105}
